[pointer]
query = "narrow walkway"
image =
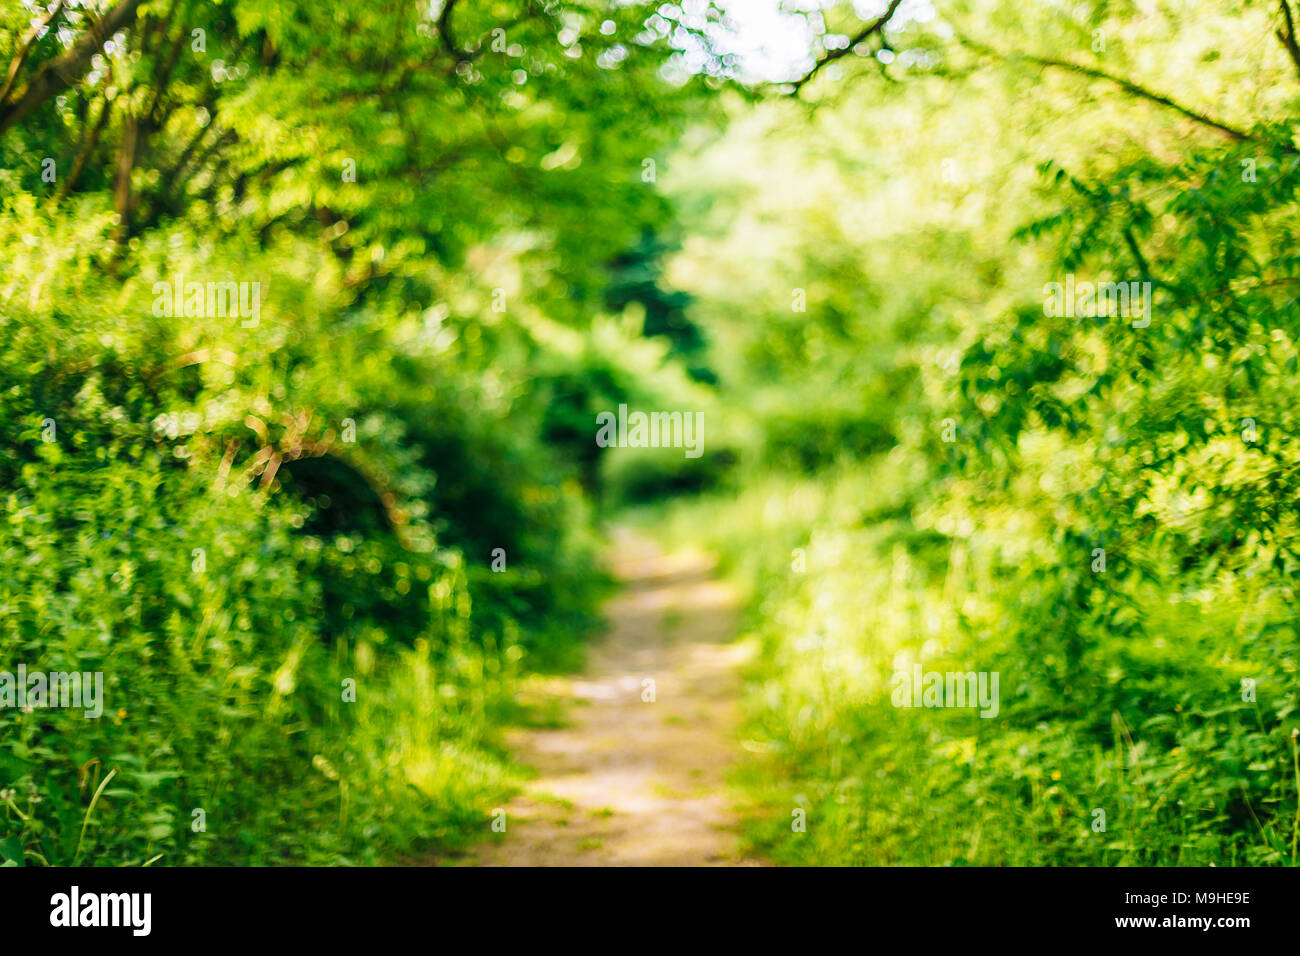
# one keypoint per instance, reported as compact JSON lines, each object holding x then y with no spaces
{"x":628,"y":781}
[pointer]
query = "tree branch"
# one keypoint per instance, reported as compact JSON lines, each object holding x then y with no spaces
{"x":21,"y":58}
{"x":123,"y":201}
{"x":444,"y":28}
{"x":58,"y":74}
{"x":865,"y":33}
{"x":88,"y":149}
{"x":1287,"y":34}
{"x":1128,"y":86}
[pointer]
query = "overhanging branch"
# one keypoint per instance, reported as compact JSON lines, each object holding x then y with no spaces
{"x":870,"y":30}
{"x":1128,"y":86}
{"x":58,"y":74}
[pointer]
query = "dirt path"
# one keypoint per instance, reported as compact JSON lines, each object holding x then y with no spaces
{"x":627,"y":781}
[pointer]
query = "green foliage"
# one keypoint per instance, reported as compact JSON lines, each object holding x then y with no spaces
{"x":381,"y":477}
{"x":312,"y":544}
{"x":942,"y":460}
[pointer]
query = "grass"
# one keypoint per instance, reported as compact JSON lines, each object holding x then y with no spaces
{"x":1143,"y":754}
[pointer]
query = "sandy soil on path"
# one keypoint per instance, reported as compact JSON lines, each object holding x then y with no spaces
{"x":626,"y":781}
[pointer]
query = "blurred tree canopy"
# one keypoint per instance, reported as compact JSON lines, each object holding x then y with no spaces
{"x":468,"y":227}
{"x":358,"y":474}
{"x":943,"y":469}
